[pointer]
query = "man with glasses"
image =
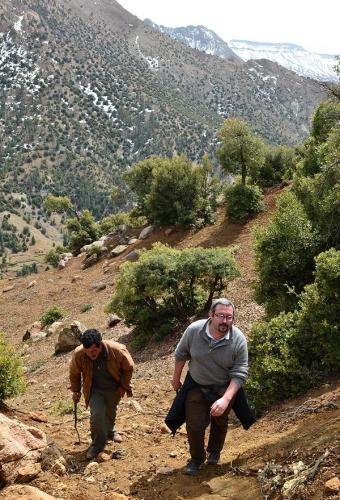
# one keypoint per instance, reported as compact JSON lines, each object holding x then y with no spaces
{"x":218,"y":366}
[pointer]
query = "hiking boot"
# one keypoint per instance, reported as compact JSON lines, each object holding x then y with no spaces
{"x":191,"y":468}
{"x":91,"y":453}
{"x":213,"y":458}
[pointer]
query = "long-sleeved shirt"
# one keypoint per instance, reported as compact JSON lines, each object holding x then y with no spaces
{"x":211,"y":363}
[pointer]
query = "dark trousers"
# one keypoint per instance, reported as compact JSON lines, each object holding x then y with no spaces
{"x":103,"y":408}
{"x":197,"y":411}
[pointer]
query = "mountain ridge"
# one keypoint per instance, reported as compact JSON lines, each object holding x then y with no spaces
{"x":292,"y":56}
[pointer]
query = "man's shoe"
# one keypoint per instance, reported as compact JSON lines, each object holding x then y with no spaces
{"x":116,"y":437}
{"x":91,"y":453}
{"x":213,"y":458}
{"x":191,"y":468}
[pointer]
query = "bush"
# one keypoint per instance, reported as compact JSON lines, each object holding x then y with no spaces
{"x":11,"y":371}
{"x":278,"y":165}
{"x":27,"y":269}
{"x":83,"y":231}
{"x":86,"y":307}
{"x":285,"y":253}
{"x":52,"y":314}
{"x":275,"y":372}
{"x":242,"y":202}
{"x":292,"y":351}
{"x":173,"y":191}
{"x":53,"y":256}
{"x":112,"y":222}
{"x":165,"y":287}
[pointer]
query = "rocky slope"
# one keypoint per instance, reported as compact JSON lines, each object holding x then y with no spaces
{"x":292,"y":450}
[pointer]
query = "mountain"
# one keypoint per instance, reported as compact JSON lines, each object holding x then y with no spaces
{"x":200,"y":38}
{"x":291,"y":56}
{"x":88,"y":91}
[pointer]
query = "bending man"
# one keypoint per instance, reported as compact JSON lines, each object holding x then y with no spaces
{"x":104,"y":369}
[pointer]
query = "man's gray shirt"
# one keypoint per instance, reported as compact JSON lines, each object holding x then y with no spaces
{"x":213,"y":364}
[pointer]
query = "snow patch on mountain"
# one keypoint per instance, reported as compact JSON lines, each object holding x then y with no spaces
{"x":291,"y":56}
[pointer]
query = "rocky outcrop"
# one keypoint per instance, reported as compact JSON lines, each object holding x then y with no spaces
{"x":68,"y":336}
{"x":21,"y":448}
{"x":25,"y":492}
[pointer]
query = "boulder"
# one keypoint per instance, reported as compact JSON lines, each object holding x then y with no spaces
{"x":90,"y":261}
{"x":68,"y":336}
{"x":54,"y":328}
{"x":118,"y":250}
{"x":17,"y":492}
{"x":21,"y":448}
{"x":113,"y":320}
{"x":28,"y":472}
{"x":132,"y":256}
{"x":31,"y":284}
{"x":61,"y":264}
{"x":111,"y":240}
{"x":333,"y":485}
{"x":145,"y":233}
{"x":7,"y":289}
{"x":32,"y":330}
{"x":132,"y":241}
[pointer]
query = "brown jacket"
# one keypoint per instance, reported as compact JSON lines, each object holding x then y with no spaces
{"x":119,"y":364}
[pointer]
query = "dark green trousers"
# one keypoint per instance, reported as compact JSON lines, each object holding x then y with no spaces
{"x":103,"y":408}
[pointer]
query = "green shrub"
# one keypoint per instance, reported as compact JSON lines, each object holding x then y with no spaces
{"x":83,"y":230}
{"x":112,"y":222}
{"x":53,"y":256}
{"x":166,"y":286}
{"x":285,"y":253}
{"x":242,"y":202}
{"x":86,"y":307}
{"x":52,"y":314}
{"x":62,"y":408}
{"x":275,"y":372}
{"x":278,"y":165}
{"x":11,"y":371}
{"x":27,"y":269}
{"x":292,"y":351}
{"x":173,"y":190}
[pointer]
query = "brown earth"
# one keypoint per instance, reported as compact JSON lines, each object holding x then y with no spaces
{"x":302,"y":429}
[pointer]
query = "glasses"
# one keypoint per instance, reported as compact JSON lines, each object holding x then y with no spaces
{"x":224,"y":316}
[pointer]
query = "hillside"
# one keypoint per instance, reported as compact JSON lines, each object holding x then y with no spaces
{"x":297,"y":431}
{"x":89,"y":91}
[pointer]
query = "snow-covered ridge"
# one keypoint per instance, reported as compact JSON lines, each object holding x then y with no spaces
{"x":288,"y":55}
{"x":291,"y":56}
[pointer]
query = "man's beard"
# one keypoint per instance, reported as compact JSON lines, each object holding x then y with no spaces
{"x":222,"y":328}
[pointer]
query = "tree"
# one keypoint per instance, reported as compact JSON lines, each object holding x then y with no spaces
{"x":173,"y":190}
{"x":326,"y":117}
{"x":241,"y":151}
{"x":166,"y":286}
{"x":59,"y":204}
{"x":83,"y":231}
{"x":285,"y":253}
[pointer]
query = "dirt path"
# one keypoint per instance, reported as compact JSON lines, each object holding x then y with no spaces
{"x":151,"y":463}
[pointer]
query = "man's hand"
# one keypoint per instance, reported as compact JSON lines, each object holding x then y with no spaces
{"x":176,"y":383}
{"x":219,"y":407}
{"x":121,"y":391}
{"x":76,"y":397}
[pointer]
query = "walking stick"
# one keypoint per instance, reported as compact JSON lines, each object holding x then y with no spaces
{"x":76,"y":420}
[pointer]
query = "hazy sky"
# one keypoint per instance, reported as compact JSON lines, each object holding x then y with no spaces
{"x":314,"y":24}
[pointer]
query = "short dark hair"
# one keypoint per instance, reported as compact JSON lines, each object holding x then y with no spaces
{"x":90,"y":337}
{"x":223,"y":302}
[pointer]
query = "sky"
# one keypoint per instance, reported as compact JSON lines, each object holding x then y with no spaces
{"x":313,"y":24}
